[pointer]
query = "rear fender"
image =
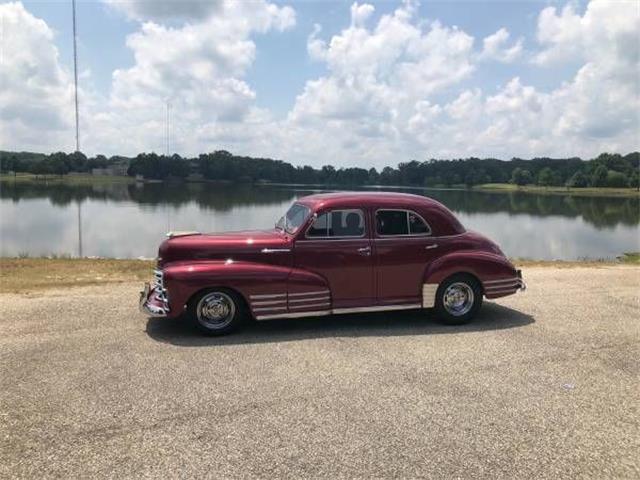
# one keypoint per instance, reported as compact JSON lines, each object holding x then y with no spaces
{"x":484,"y":266}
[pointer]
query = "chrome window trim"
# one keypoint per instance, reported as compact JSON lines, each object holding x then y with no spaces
{"x":340,"y":237}
{"x":403,"y":235}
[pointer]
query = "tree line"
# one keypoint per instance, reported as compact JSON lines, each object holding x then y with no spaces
{"x":606,"y":170}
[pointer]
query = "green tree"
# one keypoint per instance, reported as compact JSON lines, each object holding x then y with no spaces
{"x":578,"y":180}
{"x":521,"y":176}
{"x":599,"y":176}
{"x":634,"y":180}
{"x":616,"y":179}
{"x":545,"y":177}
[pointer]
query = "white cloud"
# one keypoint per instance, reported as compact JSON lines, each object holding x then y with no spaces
{"x":395,"y":88}
{"x":37,"y":94}
{"x":495,"y":47}
{"x":381,"y":101}
{"x":166,"y":10}
{"x":196,"y":70}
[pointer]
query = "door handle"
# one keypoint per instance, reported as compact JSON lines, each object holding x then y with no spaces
{"x":431,"y":247}
{"x":366,"y":251}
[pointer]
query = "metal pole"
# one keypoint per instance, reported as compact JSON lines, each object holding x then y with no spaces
{"x":79,"y":229}
{"x":75,"y":73}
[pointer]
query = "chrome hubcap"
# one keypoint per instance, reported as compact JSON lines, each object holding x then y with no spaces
{"x":215,"y":310}
{"x":458,"y":299}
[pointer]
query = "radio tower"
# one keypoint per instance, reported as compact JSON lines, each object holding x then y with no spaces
{"x":75,"y":73}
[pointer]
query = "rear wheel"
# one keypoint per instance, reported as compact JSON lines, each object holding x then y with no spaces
{"x":217,"y":312}
{"x":458,"y":299}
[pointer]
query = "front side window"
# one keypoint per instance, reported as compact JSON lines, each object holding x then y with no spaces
{"x":337,"y":224}
{"x":400,"y":222}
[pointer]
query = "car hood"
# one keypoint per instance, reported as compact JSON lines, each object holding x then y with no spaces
{"x":249,"y":245}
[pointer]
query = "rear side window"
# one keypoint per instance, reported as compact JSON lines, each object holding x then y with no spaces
{"x":400,"y":222}
{"x":338,"y":223}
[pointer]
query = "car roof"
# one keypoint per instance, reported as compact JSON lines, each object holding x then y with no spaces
{"x":368,"y":199}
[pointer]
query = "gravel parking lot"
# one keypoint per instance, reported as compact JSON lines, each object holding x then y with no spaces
{"x":545,"y":384}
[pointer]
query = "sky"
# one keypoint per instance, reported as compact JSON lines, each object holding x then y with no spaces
{"x":324,"y":82}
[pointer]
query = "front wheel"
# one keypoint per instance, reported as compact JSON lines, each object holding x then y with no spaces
{"x":458,"y":299}
{"x":216,"y":312}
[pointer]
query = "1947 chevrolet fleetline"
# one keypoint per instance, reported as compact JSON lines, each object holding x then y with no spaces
{"x":332,"y":253}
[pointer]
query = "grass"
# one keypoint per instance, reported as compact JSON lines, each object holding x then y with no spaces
{"x":82,"y":179}
{"x":22,"y":275}
{"x":630,"y":258}
{"x":589,"y":191}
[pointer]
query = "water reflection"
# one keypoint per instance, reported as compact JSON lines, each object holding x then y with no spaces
{"x":128,"y":220}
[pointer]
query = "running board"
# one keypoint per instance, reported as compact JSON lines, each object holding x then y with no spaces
{"x":340,"y":311}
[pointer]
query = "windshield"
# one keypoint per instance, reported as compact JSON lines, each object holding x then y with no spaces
{"x":294,"y":218}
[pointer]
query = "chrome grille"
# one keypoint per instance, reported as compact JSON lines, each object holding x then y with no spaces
{"x":161,"y":291}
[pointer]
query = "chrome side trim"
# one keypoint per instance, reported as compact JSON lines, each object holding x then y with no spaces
{"x":501,"y":280}
{"x":429,"y":294}
{"x":318,"y":313}
{"x":269,"y":309}
{"x":377,"y":308}
{"x":308,"y":305}
{"x":275,"y":250}
{"x":504,"y":284}
{"x":317,"y":292}
{"x":277,"y":295}
{"x":268,"y":302}
{"x":311,"y":299}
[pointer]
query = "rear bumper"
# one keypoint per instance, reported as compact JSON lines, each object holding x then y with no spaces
{"x":504,"y":286}
{"x":521,"y":285}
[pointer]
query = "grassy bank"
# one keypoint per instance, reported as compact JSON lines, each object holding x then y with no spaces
{"x":29,"y":274}
{"x":87,"y":179}
{"x":83,"y":179}
{"x":590,"y":191}
{"x":21,"y":275}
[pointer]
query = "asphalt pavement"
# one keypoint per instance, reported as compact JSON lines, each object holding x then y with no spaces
{"x":545,"y":384}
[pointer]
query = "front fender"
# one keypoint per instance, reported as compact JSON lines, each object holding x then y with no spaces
{"x":183,"y":280}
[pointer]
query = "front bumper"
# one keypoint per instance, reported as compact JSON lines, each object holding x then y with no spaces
{"x":153,"y":298}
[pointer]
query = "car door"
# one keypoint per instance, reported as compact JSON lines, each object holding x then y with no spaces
{"x":403,"y":247}
{"x":337,"y":246}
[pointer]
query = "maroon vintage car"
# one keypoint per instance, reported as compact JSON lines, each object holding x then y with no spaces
{"x":329,"y":254}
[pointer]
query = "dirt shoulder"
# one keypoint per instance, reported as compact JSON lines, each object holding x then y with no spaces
{"x":19,"y":275}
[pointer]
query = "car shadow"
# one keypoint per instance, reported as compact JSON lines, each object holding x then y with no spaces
{"x":383,"y":324}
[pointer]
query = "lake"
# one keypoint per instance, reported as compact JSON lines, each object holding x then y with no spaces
{"x":130,"y":220}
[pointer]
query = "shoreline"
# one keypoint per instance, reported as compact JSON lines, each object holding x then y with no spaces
{"x":24,"y":275}
{"x":88,"y":179}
